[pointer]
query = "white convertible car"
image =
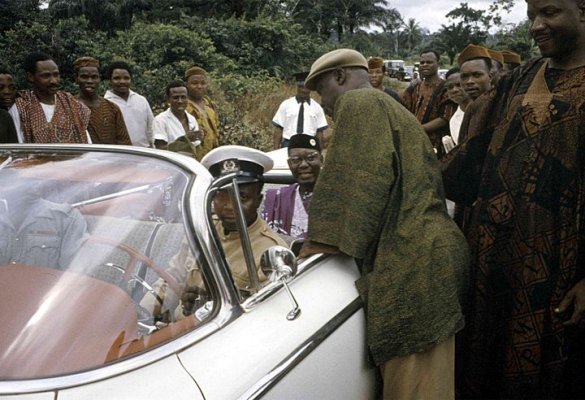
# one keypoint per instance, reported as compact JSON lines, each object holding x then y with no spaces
{"x":98,"y":226}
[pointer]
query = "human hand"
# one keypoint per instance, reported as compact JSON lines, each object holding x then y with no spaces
{"x":192,"y":298}
{"x":310,"y":247}
{"x":195,"y":135}
{"x":573,"y":301}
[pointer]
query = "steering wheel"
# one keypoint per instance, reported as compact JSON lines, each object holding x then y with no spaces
{"x":129,"y":274}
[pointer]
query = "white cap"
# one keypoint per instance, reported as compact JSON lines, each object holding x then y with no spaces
{"x":250,"y":163}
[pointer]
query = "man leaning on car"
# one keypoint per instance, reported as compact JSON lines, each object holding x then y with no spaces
{"x":379,"y":199}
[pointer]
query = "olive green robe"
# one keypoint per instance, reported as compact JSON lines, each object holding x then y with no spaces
{"x":379,"y":198}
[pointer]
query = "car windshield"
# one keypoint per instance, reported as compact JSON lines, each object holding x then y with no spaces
{"x":84,"y":237}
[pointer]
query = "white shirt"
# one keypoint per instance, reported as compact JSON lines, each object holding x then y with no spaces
{"x":167,"y":126}
{"x":455,"y":124}
{"x":287,"y":115}
{"x":13,"y":111}
{"x":137,"y":116}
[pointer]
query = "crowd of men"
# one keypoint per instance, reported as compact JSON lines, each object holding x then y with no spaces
{"x":488,"y":304}
{"x":46,"y":114}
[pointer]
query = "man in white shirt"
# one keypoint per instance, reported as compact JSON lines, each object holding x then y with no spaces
{"x":175,"y":129}
{"x":456,"y":93}
{"x":135,"y":108}
{"x":298,"y":114}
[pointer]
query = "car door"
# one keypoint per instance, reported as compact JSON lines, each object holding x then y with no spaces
{"x":321,"y":354}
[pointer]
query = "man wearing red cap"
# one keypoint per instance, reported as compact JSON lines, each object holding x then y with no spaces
{"x":106,"y":122}
{"x":377,"y":72}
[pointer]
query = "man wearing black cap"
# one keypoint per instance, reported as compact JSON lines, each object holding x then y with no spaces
{"x":379,"y":199}
{"x":286,"y":209}
{"x":250,"y":165}
{"x":298,"y":114}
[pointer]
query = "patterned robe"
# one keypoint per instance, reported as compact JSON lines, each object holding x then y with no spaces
{"x":428,"y":102}
{"x":210,"y":125}
{"x":68,"y":125}
{"x":106,"y":124}
{"x":524,"y":171}
{"x":379,"y":198}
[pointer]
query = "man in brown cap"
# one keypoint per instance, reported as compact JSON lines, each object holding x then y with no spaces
{"x":377,"y":72}
{"x":428,"y":100}
{"x":379,"y":199}
{"x":476,"y":79}
{"x":511,"y":60}
{"x":106,"y":122}
{"x":497,"y":64}
{"x":476,"y":70}
{"x":522,"y":171}
{"x":203,"y":109}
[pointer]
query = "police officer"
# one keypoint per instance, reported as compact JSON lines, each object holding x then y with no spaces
{"x":249,"y":164}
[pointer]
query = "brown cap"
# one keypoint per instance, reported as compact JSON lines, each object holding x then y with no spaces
{"x":195,"y":71}
{"x":375,"y":62}
{"x":471,"y":52}
{"x":511,"y":57}
{"x":332,"y":60}
{"x":496,"y":55}
{"x":86,"y":61}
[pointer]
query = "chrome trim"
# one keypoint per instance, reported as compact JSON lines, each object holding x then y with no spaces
{"x":230,"y":180}
{"x":267,"y":382}
{"x":226,"y":307}
{"x":273,"y":287}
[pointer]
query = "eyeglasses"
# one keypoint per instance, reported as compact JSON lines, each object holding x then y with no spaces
{"x":310,"y":158}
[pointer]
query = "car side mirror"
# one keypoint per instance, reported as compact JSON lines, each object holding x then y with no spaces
{"x":279,"y":264}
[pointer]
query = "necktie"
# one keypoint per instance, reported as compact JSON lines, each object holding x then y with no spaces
{"x":301,"y":118}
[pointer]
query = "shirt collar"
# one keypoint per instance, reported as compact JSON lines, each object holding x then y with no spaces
{"x":300,"y":100}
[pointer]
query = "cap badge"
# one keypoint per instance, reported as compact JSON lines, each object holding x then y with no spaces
{"x":313,"y":142}
{"x":229,"y":166}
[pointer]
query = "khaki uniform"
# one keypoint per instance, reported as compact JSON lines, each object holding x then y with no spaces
{"x":183,"y":267}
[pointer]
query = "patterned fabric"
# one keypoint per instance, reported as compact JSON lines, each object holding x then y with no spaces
{"x":106,"y":124}
{"x":428,"y":101}
{"x":285,"y":211}
{"x":379,"y":199}
{"x":68,"y":125}
{"x":527,"y":234}
{"x":210,"y":124}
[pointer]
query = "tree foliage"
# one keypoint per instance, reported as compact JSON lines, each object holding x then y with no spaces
{"x":14,"y":11}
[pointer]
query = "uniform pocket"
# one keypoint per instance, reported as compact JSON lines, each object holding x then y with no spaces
{"x":42,"y":250}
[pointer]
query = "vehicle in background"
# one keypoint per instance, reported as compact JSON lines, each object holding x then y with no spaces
{"x":442,"y":73}
{"x":395,"y":69}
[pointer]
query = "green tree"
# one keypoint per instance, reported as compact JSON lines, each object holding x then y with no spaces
{"x":14,"y":11}
{"x":517,"y":37}
{"x":107,"y":15}
{"x":412,"y":34}
{"x":391,"y":25}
